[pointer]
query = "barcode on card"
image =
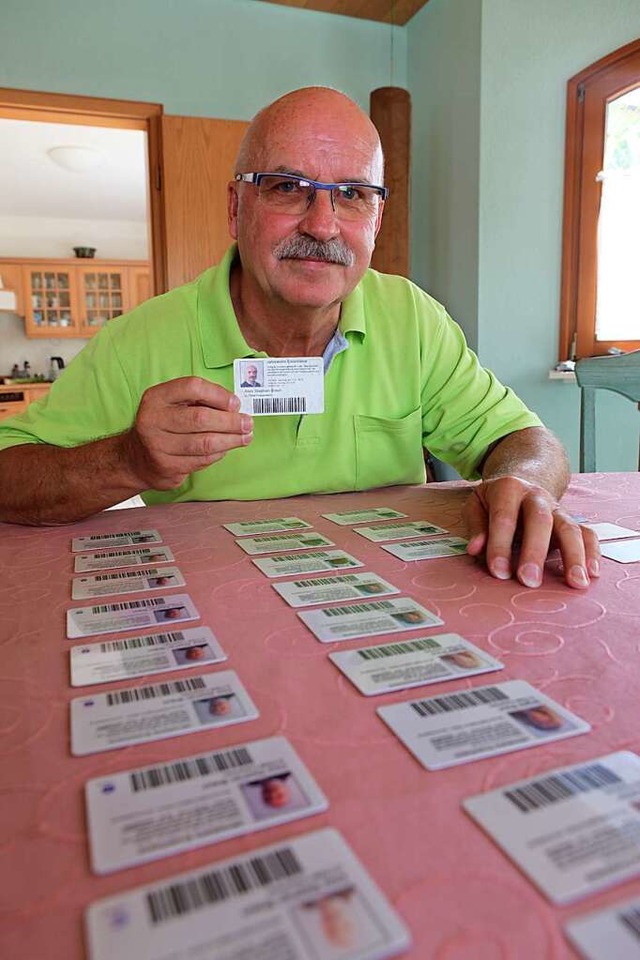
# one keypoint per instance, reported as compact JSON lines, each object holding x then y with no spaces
{"x":458,"y":701}
{"x":445,"y":541}
{"x":394,"y":525}
{"x":285,"y":557}
{"x":148,"y":572}
{"x":139,"y":551}
{"x":398,"y":649}
{"x":324,"y":581}
{"x":158,"y":690}
{"x":129,"y":605}
{"x":238,"y":878}
{"x":114,"y":536}
{"x":561,"y":786}
{"x":359,"y":608}
{"x":631,"y":919}
{"x":191,"y":769}
{"x":262,"y":523}
{"x":279,"y":404}
{"x":136,"y":643}
{"x":281,"y":536}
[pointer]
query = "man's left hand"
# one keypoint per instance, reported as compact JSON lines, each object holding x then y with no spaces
{"x":504,"y":509}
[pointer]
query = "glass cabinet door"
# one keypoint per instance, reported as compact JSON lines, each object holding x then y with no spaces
{"x":102,"y":295}
{"x":50,"y":300}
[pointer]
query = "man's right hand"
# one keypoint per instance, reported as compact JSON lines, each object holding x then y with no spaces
{"x":182,"y":426}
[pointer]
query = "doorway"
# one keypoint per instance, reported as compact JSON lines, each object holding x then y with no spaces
{"x":118,"y":115}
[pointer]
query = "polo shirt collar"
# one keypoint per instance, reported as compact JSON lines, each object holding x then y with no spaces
{"x":220,"y":335}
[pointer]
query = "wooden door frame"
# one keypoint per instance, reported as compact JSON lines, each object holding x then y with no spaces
{"x":101,"y":112}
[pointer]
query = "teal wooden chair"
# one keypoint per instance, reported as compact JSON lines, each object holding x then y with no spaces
{"x":620,"y":374}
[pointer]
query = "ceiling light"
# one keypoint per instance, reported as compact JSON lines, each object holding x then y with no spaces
{"x":76,"y":159}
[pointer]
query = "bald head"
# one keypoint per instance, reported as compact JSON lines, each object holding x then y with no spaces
{"x":298,"y":115}
{"x":307,"y":255}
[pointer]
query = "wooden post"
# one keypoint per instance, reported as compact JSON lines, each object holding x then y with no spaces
{"x":390,"y":109}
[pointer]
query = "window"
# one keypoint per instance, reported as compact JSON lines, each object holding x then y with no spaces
{"x":600,"y":294}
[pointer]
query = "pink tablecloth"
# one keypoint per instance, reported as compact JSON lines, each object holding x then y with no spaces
{"x":459,"y":895}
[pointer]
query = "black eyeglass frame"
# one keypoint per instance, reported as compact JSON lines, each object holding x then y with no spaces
{"x":256,"y":178}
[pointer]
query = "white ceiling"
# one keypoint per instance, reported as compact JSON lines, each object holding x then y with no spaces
{"x":34,"y":186}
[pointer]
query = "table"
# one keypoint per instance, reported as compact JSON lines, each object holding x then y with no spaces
{"x":460,"y":896}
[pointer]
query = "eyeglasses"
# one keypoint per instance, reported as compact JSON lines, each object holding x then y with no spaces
{"x":294,"y":195}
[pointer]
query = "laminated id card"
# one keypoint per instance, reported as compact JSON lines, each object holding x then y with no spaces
{"x":284,"y":541}
{"x":152,"y":812}
{"x":93,"y":663}
{"x":104,"y":721}
{"x":368,"y":619}
{"x":130,"y":615}
{"x":400,"y":530}
{"x":302,"y":898}
{"x":125,"y":581}
{"x":113,"y":559}
{"x":483,"y":722}
{"x":316,"y":561}
{"x":348,"y":517}
{"x":98,"y":541}
{"x":412,"y":663}
{"x":427,"y":549}
{"x":279,"y":386}
{"x":610,"y":934}
{"x":244,"y":528}
{"x":349,"y":586}
{"x":574,"y":830}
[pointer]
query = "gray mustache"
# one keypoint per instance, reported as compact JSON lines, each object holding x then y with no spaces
{"x":306,"y":248}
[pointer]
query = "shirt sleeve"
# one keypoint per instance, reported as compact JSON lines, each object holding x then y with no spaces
{"x":465,"y":408}
{"x":91,"y":400}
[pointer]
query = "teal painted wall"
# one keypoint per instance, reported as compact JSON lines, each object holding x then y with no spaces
{"x":529,"y":52}
{"x":222,"y":58}
{"x":444,"y":80}
{"x":488,"y":82}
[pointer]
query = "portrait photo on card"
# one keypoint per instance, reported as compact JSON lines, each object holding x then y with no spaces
{"x":409,"y":616}
{"x":337,"y":925}
{"x":274,"y":795}
{"x":170,"y":613}
{"x":252,"y":373}
{"x":200,"y":653}
{"x":370,"y":588}
{"x":155,"y":558}
{"x":463,"y":660}
{"x":163,"y":581}
{"x":541,"y":720}
{"x":217,"y":709}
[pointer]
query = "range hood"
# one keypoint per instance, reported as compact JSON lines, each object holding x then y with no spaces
{"x":8,"y":300}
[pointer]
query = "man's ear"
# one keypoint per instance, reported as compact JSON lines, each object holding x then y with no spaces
{"x":232,"y":209}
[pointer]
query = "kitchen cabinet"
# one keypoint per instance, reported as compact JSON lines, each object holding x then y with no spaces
{"x":103,"y":295}
{"x":15,"y":398}
{"x":74,"y":297}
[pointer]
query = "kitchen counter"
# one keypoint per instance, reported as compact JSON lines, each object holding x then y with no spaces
{"x":15,"y":395}
{"x":24,"y":381}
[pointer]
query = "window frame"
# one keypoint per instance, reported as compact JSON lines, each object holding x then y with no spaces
{"x":588,"y":94}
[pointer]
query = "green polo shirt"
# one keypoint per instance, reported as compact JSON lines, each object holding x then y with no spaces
{"x":407,"y":381}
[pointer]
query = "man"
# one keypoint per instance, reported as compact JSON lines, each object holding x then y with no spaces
{"x":148,"y":404}
{"x":252,"y":377}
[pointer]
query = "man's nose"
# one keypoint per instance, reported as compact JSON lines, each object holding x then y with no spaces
{"x":320,"y":220}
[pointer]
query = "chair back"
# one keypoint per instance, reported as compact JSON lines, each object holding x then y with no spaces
{"x":619,"y":374}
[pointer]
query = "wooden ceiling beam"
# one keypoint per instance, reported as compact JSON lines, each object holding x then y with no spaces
{"x":398,"y":12}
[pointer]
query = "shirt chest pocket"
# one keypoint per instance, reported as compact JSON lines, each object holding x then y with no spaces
{"x":389,"y":451}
